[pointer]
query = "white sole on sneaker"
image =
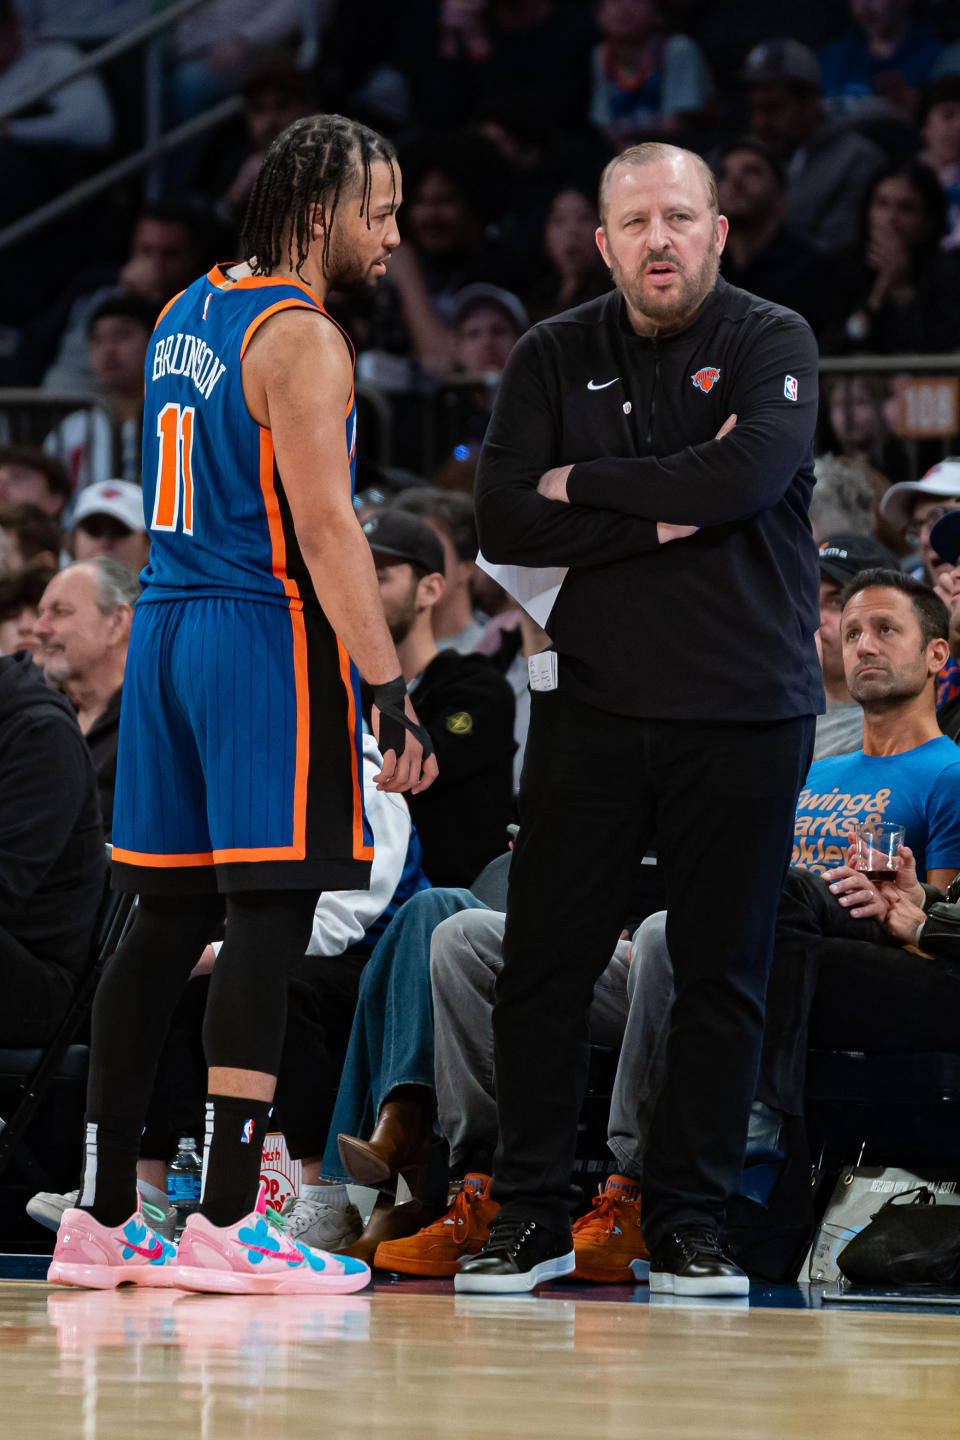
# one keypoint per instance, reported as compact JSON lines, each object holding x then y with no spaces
{"x":555,"y":1269}
{"x":666,"y":1283}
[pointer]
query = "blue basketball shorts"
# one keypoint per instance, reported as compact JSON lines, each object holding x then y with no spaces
{"x":239,"y":764}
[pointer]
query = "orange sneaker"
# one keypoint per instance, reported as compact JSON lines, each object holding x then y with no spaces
{"x":608,"y":1242}
{"x":439,"y":1248}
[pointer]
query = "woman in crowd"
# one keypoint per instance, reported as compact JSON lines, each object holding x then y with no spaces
{"x":896,"y":291}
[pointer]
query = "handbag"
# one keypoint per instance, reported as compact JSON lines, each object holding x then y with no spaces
{"x":859,"y":1192}
{"x":908,"y":1242}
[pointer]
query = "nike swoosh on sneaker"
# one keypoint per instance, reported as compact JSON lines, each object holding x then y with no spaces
{"x":592,"y":385}
{"x":292,"y":1257}
{"x":153,"y":1253}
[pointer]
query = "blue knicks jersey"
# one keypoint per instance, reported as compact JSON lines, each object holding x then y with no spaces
{"x":213,"y":499}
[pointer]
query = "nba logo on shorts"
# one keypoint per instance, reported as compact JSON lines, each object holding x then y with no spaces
{"x":790,"y":387}
{"x":247,"y":1135}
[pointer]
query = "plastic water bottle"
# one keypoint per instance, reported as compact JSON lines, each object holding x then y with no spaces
{"x":183,"y":1180}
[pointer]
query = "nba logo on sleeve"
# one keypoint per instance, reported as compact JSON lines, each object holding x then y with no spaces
{"x":789,"y":387}
{"x":247,"y":1135}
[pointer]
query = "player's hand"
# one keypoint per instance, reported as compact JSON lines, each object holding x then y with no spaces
{"x":553,"y":483}
{"x":410,"y":771}
{"x":856,"y":893}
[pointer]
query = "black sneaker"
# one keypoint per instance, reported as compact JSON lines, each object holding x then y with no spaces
{"x":690,"y":1262}
{"x":519,"y":1254}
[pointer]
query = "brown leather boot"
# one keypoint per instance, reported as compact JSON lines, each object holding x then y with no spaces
{"x":398,"y":1145}
{"x":391,"y":1222}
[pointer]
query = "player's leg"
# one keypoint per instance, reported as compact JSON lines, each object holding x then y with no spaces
{"x":278,"y":742}
{"x":161,"y":848}
{"x":266,"y":934}
{"x":135,"y":1000}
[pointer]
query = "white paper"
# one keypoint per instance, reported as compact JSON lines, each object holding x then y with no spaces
{"x":542,"y":670}
{"x":533,"y":589}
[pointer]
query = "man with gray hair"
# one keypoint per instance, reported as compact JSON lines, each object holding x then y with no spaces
{"x":83,"y":628}
{"x":656,"y":443}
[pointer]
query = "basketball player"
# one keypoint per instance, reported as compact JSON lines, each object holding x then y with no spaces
{"x":238,"y":783}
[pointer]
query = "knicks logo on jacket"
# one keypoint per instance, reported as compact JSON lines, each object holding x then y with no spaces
{"x":706,"y":378}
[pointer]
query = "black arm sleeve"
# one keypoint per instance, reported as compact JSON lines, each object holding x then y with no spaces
{"x":515,"y":524}
{"x":731,"y":479}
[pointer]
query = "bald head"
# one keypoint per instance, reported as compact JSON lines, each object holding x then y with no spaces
{"x":682,"y":164}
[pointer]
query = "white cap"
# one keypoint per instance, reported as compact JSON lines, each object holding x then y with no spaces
{"x":119,"y":498}
{"x":940,"y":480}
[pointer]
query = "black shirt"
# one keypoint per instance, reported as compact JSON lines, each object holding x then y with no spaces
{"x":52,"y":858}
{"x":716,"y":627}
{"x":467,"y":706}
{"x":788,"y":271}
{"x":103,"y":739}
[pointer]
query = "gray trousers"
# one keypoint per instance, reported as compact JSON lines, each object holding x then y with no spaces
{"x":643,"y":1054}
{"x":466,"y":956}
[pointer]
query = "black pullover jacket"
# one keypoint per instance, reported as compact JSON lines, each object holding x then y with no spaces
{"x":716,"y":627}
{"x":52,"y":858}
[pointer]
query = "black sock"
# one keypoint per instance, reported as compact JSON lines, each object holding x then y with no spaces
{"x":109,"y":1184}
{"x":232,"y":1152}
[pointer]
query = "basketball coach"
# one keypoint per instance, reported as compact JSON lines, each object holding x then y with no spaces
{"x":658,"y":441}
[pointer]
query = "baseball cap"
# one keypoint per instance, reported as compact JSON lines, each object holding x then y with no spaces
{"x":773,"y":61}
{"x":945,"y":537}
{"x":404,"y":537}
{"x":471,"y":297}
{"x":119,"y":498}
{"x":942,"y":479}
{"x":844,"y":555}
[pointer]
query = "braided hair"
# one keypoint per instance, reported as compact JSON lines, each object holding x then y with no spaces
{"x":313,"y":162}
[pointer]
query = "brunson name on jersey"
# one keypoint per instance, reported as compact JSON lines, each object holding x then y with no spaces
{"x":188,"y":355}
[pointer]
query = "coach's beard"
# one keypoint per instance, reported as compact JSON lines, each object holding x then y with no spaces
{"x":669,"y":312}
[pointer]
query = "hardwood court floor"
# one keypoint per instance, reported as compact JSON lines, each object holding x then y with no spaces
{"x":403,"y":1362}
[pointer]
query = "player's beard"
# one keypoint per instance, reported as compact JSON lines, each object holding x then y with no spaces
{"x":345,"y":270}
{"x":669,"y":312}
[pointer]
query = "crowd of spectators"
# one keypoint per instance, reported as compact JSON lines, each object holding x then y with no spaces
{"x":837,"y":156}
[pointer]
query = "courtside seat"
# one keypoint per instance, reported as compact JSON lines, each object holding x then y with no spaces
{"x":17,"y":1063}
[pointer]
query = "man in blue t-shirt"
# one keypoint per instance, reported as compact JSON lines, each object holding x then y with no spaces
{"x":894,"y":641}
{"x":833,"y":958}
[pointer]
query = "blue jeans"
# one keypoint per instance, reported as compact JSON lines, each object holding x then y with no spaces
{"x":391,"y":1042}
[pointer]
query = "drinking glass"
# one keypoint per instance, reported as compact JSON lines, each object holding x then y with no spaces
{"x":877,"y":843}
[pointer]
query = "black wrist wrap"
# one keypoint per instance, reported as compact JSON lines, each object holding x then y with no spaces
{"x":395,"y":722}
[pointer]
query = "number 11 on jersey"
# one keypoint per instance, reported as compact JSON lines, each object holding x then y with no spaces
{"x":174,"y":468}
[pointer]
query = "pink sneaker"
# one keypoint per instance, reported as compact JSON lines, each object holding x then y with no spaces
{"x":100,"y":1258}
{"x":255,"y":1257}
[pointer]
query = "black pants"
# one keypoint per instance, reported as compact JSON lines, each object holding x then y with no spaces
{"x":596,"y":789}
{"x":34,"y":994}
{"x":839,"y":983}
